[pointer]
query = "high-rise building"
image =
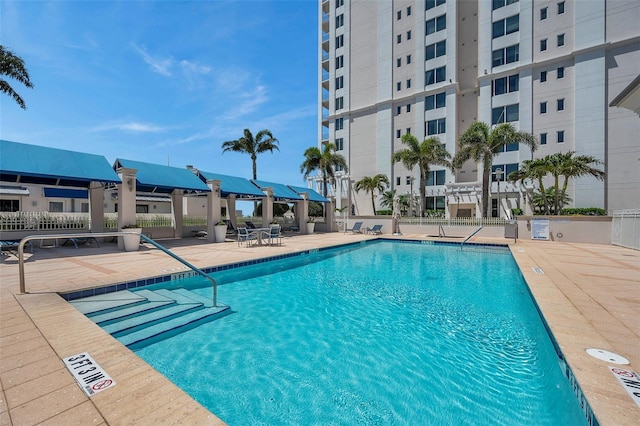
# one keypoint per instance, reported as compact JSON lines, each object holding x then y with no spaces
{"x":432,"y":67}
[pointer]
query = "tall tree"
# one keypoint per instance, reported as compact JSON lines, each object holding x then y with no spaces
{"x":481,"y":144}
{"x":247,"y":144}
{"x":535,"y":170}
{"x":423,"y":154}
{"x":568,"y":167}
{"x":325,"y":161}
{"x":371,"y":184}
{"x":13,"y":67}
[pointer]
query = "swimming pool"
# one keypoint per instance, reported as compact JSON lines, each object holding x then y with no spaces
{"x":385,"y":333}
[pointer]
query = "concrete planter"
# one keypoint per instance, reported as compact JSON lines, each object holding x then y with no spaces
{"x":311,"y":226}
{"x":131,"y":242}
{"x":220,"y":232}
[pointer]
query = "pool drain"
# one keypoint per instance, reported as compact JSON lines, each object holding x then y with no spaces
{"x":603,"y":355}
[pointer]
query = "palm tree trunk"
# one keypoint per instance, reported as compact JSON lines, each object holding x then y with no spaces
{"x":423,"y":195}
{"x":556,"y":188}
{"x":485,"y":191}
{"x":373,"y":203}
{"x":543,"y":192}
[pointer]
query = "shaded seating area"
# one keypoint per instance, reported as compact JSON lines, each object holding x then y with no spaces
{"x":250,"y":225}
{"x":273,"y":235}
{"x":356,"y":229}
{"x":376,"y":230}
{"x":245,"y":237}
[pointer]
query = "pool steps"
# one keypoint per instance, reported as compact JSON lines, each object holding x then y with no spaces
{"x":134,"y":316}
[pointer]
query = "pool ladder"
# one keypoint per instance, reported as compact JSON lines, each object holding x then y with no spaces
{"x":467,"y":239}
{"x":109,"y":234}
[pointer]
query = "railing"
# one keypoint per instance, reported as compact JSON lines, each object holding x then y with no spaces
{"x":454,"y":221}
{"x":625,"y":228}
{"x":102,"y":235}
{"x":43,"y":221}
{"x":469,"y":237}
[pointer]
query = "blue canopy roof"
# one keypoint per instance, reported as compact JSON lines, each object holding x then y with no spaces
{"x":241,"y":187}
{"x":25,"y":163}
{"x":313,"y":195}
{"x":280,"y":192}
{"x":163,"y":179}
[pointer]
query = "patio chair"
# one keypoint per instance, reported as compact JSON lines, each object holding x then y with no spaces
{"x":246,"y":237}
{"x":230,"y":229}
{"x":355,"y":229}
{"x":376,"y":230}
{"x":250,"y":225}
{"x":273,"y":234}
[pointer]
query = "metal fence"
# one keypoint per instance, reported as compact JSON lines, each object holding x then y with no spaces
{"x":43,"y":221}
{"x":456,"y":221}
{"x":625,"y":228}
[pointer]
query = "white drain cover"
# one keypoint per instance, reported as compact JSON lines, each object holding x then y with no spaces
{"x":603,"y":355}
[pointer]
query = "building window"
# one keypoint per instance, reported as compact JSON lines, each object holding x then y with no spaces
{"x":506,"y":55}
{"x":436,"y":49}
{"x":436,"y":177}
{"x":543,"y":76}
{"x":560,"y":72}
{"x":497,"y":4}
{"x":543,"y":44}
{"x":560,"y":104}
{"x":398,"y":180}
{"x":339,"y":41}
{"x":506,"y":26}
{"x":339,"y":123}
{"x":409,"y":11}
{"x":399,"y":85}
{"x":543,"y":138}
{"x":398,"y":133}
{"x":339,"y":20}
{"x":504,"y":85}
{"x":399,"y":110}
{"x":430,"y":4}
{"x":339,"y":82}
{"x":9,"y":205}
{"x":56,"y":206}
{"x":408,"y":35}
{"x":435,"y":101}
{"x":408,"y":107}
{"x":339,"y":62}
{"x":560,"y":136}
{"x":436,"y":127}
{"x":560,"y":40}
{"x":399,"y":14}
{"x":399,"y":38}
{"x":408,"y":180}
{"x":339,"y":103}
{"x":339,"y":144}
{"x":507,"y":113}
{"x":543,"y":107}
{"x":507,"y":169}
{"x":436,"y":75}
{"x":408,"y":132}
{"x":399,"y":62}
{"x":408,"y":84}
{"x":543,"y":13}
{"x":436,"y":24}
{"x":339,"y":3}
{"x":560,"y":8}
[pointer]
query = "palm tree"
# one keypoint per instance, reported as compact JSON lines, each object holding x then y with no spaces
{"x":325,"y":161}
{"x":13,"y":66}
{"x":481,"y":144}
{"x":568,"y":166}
{"x":371,"y":184}
{"x":429,"y":151}
{"x":247,"y":144}
{"x":387,"y":199}
{"x":533,"y":169}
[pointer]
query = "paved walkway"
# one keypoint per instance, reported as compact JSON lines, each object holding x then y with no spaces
{"x":589,"y":295}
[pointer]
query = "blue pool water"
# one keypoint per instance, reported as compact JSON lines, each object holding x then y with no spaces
{"x":387,"y":333}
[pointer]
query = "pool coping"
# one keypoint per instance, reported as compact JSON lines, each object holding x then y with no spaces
{"x":64,"y":332}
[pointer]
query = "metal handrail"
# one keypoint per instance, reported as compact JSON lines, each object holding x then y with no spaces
{"x":441,"y":231}
{"x":102,"y":235}
{"x":467,"y":239}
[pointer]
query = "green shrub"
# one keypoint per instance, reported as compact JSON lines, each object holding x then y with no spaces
{"x":384,"y":212}
{"x":584,"y":211}
{"x":516,"y":211}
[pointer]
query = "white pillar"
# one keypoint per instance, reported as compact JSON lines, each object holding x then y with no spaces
{"x":302,"y":212}
{"x":214,"y":208}
{"x":96,"y":206}
{"x":330,"y":217}
{"x":267,"y":206}
{"x":231,"y":209}
{"x":176,"y":210}
{"x":126,"y":199}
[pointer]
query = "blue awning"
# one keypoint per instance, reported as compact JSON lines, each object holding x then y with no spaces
{"x":164,"y":179}
{"x":313,"y":195}
{"x":280,"y":192}
{"x":66,"y":193}
{"x":51,"y":166}
{"x":240,"y":187}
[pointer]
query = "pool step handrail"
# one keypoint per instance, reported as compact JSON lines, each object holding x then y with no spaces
{"x":102,"y":235}
{"x":441,"y":231}
{"x":467,"y":239}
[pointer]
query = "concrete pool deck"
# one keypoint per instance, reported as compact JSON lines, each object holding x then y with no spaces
{"x":588,"y":294}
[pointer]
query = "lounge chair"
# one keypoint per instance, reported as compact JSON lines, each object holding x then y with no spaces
{"x":12,"y":246}
{"x":376,"y":230}
{"x":230,"y":229}
{"x":81,"y":241}
{"x":246,"y":237}
{"x":355,"y":229}
{"x":250,"y":225}
{"x":273,"y":234}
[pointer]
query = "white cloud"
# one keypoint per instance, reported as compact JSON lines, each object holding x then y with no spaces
{"x":194,"y":68}
{"x":158,"y":65}
{"x":129,"y":127}
{"x":250,"y":100}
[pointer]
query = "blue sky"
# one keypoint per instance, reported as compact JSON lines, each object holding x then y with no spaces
{"x":166,"y":82}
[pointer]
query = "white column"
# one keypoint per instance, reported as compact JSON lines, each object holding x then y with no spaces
{"x":176,"y":210}
{"x":96,"y":206}
{"x":267,"y":206}
{"x":213,"y":208}
{"x":126,"y":199}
